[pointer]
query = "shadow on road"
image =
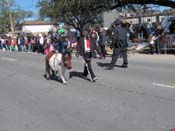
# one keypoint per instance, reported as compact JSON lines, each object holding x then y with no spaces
{"x":53,"y":77}
{"x":77,"y":74}
{"x":105,"y":65}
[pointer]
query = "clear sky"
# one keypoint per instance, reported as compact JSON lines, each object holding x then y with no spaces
{"x":29,"y":5}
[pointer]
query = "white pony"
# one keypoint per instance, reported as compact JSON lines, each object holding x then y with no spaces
{"x":58,"y":63}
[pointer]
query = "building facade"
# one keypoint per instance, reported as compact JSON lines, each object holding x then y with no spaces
{"x":35,"y":27}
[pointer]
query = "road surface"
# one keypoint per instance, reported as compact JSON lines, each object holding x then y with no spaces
{"x":140,"y":98}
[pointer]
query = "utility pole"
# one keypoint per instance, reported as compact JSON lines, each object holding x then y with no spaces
{"x":10,"y":17}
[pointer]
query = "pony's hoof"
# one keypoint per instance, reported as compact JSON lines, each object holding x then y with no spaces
{"x":64,"y":83}
{"x":45,"y":76}
{"x":48,"y":77}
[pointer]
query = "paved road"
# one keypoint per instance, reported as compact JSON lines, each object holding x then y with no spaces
{"x":140,"y":98}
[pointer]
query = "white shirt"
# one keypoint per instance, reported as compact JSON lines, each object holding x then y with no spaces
{"x":86,"y":45}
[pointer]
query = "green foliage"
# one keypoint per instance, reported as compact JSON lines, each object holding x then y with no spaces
{"x":18,"y":15}
{"x":76,"y":13}
{"x":4,"y":23}
{"x":79,"y":13}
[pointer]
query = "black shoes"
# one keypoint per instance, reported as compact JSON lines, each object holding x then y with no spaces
{"x":124,"y":66}
{"x":90,"y":79}
{"x":94,"y":79}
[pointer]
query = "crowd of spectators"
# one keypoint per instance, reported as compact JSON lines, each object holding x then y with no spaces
{"x":37,"y":43}
{"x":154,"y":34}
{"x":58,"y":39}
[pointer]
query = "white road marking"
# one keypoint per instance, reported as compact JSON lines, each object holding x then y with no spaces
{"x":164,"y":85}
{"x":8,"y":59}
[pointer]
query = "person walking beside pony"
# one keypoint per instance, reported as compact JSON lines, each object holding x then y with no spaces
{"x":84,"y":49}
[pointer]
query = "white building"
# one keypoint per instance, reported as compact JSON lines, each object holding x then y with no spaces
{"x":110,"y":16}
{"x":36,"y":26}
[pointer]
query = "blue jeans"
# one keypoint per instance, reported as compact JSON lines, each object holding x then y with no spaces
{"x":22,"y":48}
{"x":7,"y":47}
{"x":140,"y":35}
{"x":149,"y":30}
{"x":29,"y":47}
{"x":0,"y":46}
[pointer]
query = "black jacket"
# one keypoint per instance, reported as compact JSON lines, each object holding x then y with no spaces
{"x":81,"y":47}
{"x":120,"y":37}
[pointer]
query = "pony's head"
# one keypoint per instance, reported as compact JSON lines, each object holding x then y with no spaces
{"x":67,"y":59}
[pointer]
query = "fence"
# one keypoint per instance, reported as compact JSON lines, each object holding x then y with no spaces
{"x":165,"y":43}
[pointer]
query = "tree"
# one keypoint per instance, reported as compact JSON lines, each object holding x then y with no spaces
{"x":76,"y":13}
{"x":8,"y":7}
{"x":19,"y":16}
{"x":4,"y":23}
{"x":79,"y":13}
